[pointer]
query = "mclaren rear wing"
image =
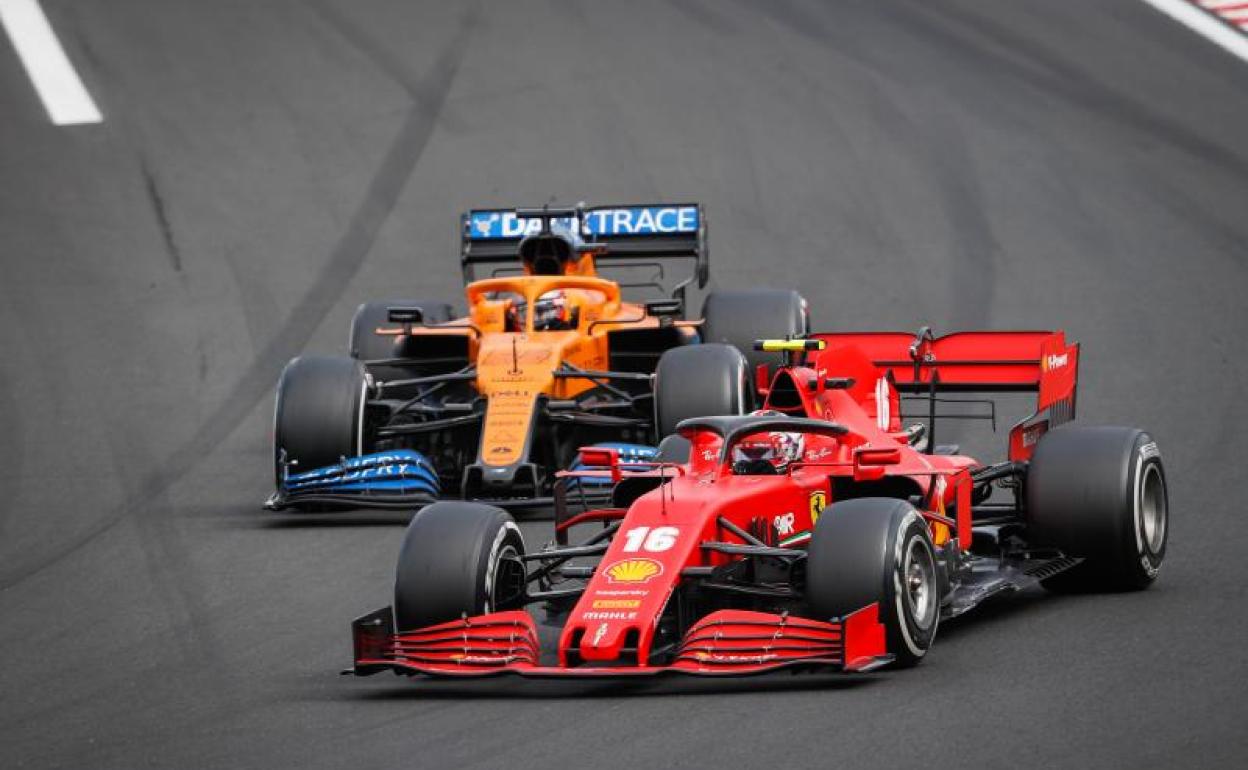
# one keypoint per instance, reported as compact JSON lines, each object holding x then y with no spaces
{"x":976,"y":362}
{"x":631,"y":234}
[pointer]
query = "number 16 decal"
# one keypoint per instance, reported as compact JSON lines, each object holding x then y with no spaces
{"x":650,"y":540}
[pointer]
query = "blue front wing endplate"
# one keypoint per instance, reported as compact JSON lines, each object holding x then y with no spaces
{"x":633,"y":457}
{"x":397,"y":473}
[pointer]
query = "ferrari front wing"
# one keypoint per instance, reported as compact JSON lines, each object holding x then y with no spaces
{"x":723,"y":643}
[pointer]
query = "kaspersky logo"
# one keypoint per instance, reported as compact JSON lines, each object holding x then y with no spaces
{"x":633,"y":571}
{"x":1054,"y":361}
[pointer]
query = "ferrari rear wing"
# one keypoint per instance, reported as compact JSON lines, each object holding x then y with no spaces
{"x":975,"y":362}
{"x":631,"y":233}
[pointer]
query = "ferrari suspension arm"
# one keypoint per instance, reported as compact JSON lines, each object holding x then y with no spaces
{"x":566,"y":553}
{"x":554,"y":558}
{"x":998,"y":471}
{"x":736,"y":549}
{"x":741,"y":533}
{"x":751,"y":590}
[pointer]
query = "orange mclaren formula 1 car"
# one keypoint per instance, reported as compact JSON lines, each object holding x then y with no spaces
{"x":549,"y":358}
{"x":825,"y":531}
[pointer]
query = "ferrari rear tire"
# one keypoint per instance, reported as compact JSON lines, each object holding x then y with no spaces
{"x":877,"y":550}
{"x":457,"y":559}
{"x":738,"y":318}
{"x":700,"y":381}
{"x":367,"y":345}
{"x":319,"y":414}
{"x":1099,"y":493}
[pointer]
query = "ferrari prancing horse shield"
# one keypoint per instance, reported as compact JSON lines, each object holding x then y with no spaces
{"x":818,"y":501}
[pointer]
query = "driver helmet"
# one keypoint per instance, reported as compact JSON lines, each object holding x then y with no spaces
{"x":775,"y":449}
{"x":552,"y":312}
{"x":515,"y":314}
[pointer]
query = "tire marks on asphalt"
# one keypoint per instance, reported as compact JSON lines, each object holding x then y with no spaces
{"x":347,"y":256}
{"x":938,"y":152}
{"x":11,"y":454}
{"x":981,"y":40}
{"x":157,"y":200}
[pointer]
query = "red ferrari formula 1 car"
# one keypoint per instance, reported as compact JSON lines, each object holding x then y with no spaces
{"x":819,"y":532}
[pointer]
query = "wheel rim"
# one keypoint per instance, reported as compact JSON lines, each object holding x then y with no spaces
{"x":1153,"y":511}
{"x":919,"y":583}
{"x":507,"y":552}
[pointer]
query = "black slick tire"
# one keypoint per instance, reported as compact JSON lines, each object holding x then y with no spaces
{"x":1099,"y":493}
{"x":700,"y":381}
{"x":877,"y":550}
{"x":457,"y":559}
{"x":740,"y":317}
{"x":318,"y":416}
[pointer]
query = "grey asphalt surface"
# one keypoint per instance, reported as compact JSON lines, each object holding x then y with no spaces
{"x":265,"y":167}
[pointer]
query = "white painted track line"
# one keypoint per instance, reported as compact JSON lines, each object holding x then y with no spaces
{"x":63,"y":94}
{"x":1204,"y":25}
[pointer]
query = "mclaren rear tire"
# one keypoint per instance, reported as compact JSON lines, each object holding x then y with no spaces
{"x":367,"y":345}
{"x":674,"y":449}
{"x":879,"y":550}
{"x":1099,"y":493}
{"x":700,"y":381}
{"x":457,"y":559}
{"x":319,"y":415}
{"x":738,"y":318}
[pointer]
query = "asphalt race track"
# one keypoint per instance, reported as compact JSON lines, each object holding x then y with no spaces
{"x":264,"y":167}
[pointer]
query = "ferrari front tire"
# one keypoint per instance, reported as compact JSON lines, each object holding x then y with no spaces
{"x":877,"y":550}
{"x":457,"y":559}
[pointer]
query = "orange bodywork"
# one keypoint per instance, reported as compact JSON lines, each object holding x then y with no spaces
{"x":515,"y":368}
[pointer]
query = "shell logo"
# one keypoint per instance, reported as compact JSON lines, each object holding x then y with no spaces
{"x":633,"y":571}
